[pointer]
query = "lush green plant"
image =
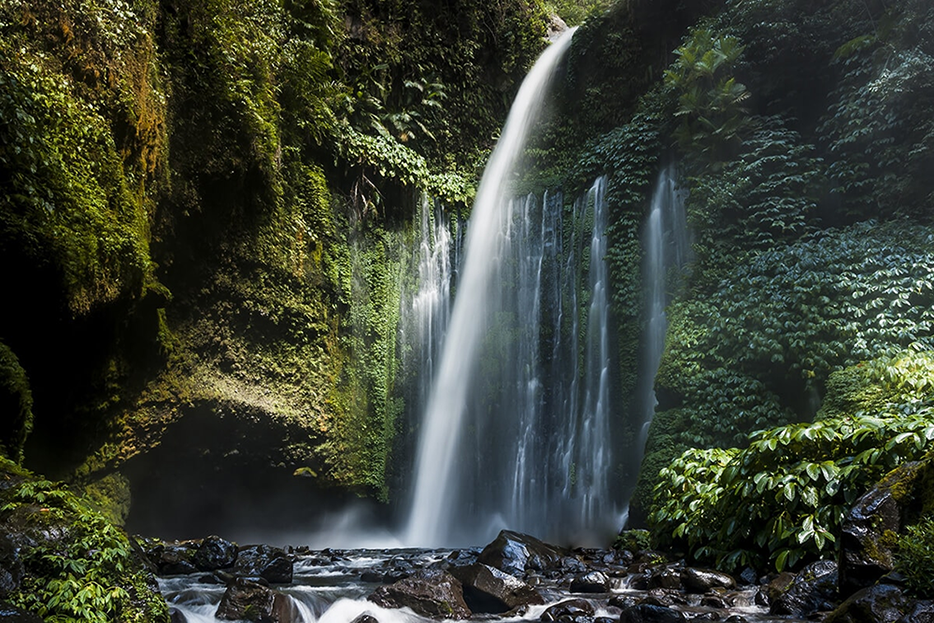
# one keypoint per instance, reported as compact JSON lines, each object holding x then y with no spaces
{"x":710,"y":99}
{"x":89,"y":572}
{"x":783,"y":498}
{"x":878,"y":125}
{"x":16,"y":403}
{"x":763,"y":197}
{"x":633,"y":540}
{"x":914,"y":557}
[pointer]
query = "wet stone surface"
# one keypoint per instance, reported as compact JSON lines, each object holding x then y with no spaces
{"x":337,"y":586}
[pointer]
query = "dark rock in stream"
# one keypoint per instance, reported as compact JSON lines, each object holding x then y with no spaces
{"x":813,"y":590}
{"x":11,"y":614}
{"x":11,"y":566}
{"x":173,"y":558}
{"x":702,"y":580}
{"x":490,"y":590}
{"x":516,"y":553}
{"x":366,"y":618}
{"x":664,"y":576}
{"x":264,"y":561}
{"x":592,"y":582}
{"x":882,"y":603}
{"x":428,"y":592}
{"x":215,"y":553}
{"x":245,"y":600}
{"x":570,"y":610}
{"x":648,"y":613}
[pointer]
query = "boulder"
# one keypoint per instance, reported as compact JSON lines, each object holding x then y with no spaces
{"x":774,"y":588}
{"x":882,"y":603}
{"x":664,"y":576}
{"x":11,"y":614}
{"x":173,"y":558}
{"x":516,"y":553}
{"x":428,"y":592}
{"x":215,"y":553}
{"x":813,"y":590}
{"x":866,"y":542}
{"x":702,"y":580}
{"x":591,"y":582}
{"x":490,"y":590}
{"x":366,"y":617}
{"x":11,"y":566}
{"x":245,"y":600}
{"x":648,"y":613}
{"x":622,"y":601}
{"x":664,"y":597}
{"x":264,"y":561}
{"x":571,"y":609}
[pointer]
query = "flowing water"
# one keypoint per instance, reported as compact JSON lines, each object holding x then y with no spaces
{"x":332,"y":586}
{"x":666,"y":244}
{"x":442,"y":504}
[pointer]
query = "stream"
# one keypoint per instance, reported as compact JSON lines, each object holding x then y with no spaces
{"x":332,"y":586}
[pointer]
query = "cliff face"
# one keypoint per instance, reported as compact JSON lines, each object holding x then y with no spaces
{"x":205,"y":210}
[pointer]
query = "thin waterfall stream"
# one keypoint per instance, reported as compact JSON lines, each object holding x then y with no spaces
{"x":665,"y":240}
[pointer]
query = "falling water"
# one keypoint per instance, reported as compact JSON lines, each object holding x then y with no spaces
{"x":665,"y":241}
{"x":517,"y":431}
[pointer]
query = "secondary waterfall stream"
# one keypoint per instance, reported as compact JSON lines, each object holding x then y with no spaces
{"x":516,"y":430}
{"x":665,"y":240}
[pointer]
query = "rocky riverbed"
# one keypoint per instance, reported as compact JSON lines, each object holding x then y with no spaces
{"x":514,"y":578}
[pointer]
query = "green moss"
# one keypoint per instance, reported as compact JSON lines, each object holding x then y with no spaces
{"x":16,"y":402}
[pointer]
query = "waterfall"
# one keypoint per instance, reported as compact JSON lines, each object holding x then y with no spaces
{"x":666,"y":246}
{"x":516,"y":433}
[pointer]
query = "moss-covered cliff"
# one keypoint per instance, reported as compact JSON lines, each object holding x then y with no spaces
{"x":205,"y":212}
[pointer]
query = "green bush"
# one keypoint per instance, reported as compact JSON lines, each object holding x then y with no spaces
{"x":77,"y":565}
{"x":783,"y":498}
{"x":914,"y":557}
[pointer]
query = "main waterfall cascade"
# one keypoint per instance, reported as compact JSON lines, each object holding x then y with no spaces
{"x":667,"y":247}
{"x":517,"y":432}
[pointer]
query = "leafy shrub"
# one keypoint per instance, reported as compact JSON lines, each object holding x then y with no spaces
{"x":915,"y":556}
{"x":786,"y":493}
{"x":82,"y":567}
{"x":710,"y":99}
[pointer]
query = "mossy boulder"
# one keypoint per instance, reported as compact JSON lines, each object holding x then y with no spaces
{"x":870,"y":531}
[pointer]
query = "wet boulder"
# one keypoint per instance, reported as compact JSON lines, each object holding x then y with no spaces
{"x":569,"y":610}
{"x":428,"y":592}
{"x":245,"y":600}
{"x":663,"y":576}
{"x":703,"y":580}
{"x":215,"y":553}
{"x":173,"y":558}
{"x":665,"y":597}
{"x":516,"y":553}
{"x":366,"y":617}
{"x":882,"y":603}
{"x":487,"y":589}
{"x":264,"y":561}
{"x":649,"y":613}
{"x":11,"y":614}
{"x":591,"y":582}
{"x":813,"y":590}
{"x":11,"y":566}
{"x":866,"y":543}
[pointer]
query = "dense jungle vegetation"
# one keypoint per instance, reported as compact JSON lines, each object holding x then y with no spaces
{"x":208,"y":209}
